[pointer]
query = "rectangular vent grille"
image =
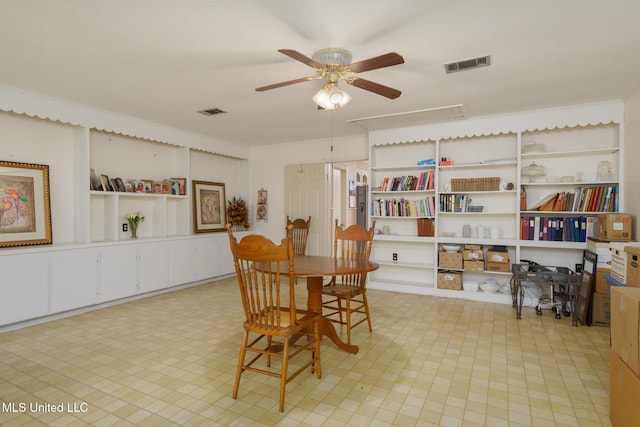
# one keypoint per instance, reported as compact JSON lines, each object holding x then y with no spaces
{"x":211,"y":111}
{"x":468,"y":64}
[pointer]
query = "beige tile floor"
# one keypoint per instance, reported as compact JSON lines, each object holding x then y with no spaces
{"x":170,"y":360}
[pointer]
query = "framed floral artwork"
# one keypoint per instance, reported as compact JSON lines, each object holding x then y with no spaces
{"x":25,"y":208}
{"x":209,"y":202}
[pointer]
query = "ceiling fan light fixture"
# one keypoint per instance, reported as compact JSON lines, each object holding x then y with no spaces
{"x":332,"y":56}
{"x":331,"y":97}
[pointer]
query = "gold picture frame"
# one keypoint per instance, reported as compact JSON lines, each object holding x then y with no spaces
{"x":25,"y":207}
{"x":209,"y":206}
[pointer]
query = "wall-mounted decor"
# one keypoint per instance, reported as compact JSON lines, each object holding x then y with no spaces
{"x":209,"y":213}
{"x":25,"y":209}
{"x":262,"y":208}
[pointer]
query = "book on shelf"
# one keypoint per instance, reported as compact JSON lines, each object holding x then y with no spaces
{"x":556,"y":229}
{"x":408,"y":182}
{"x":598,"y":198}
{"x":403,"y":207}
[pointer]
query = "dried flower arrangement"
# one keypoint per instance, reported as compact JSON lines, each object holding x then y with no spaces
{"x":238,"y":213}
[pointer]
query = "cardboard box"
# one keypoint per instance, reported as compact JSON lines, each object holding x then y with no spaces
{"x":625,"y":326}
{"x":618,"y":263}
{"x":633,"y":260}
{"x":426,"y":227}
{"x":498,"y":257}
{"x":498,"y":266}
{"x":624,"y":393}
{"x":473,"y":247}
{"x":613,"y":226}
{"x":601,"y":310}
{"x":473,"y":255}
{"x":602,"y":248}
{"x":450,"y":280}
{"x":450,"y":259}
{"x":470,"y":265}
{"x":601,"y":283}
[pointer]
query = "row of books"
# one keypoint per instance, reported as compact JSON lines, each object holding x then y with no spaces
{"x":454,"y":203}
{"x":558,"y":229}
{"x":404,"y":207}
{"x":599,"y":198}
{"x":409,"y":182}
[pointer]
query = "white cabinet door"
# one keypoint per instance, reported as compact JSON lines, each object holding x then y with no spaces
{"x":74,"y":279}
{"x":118,"y":272}
{"x":183,"y":262}
{"x":207,"y":258}
{"x":23,"y":288}
{"x":154,"y":266}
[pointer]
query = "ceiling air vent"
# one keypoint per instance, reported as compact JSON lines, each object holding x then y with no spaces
{"x":467,"y":64}
{"x":211,"y":111}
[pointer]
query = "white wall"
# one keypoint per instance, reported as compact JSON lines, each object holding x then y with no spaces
{"x":267,"y":164}
{"x":213,"y":168}
{"x":631,"y":158}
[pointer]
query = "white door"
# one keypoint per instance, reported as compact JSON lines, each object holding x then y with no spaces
{"x":306,"y":195}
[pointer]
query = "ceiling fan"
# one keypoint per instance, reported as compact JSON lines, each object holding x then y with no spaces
{"x":333,"y":65}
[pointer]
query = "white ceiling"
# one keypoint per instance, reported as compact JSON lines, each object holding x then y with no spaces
{"x":163,"y":60}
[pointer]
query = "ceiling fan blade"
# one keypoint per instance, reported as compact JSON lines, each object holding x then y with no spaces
{"x":386,"y":60}
{"x":387,"y":91}
{"x":287,"y":83}
{"x":300,"y":57}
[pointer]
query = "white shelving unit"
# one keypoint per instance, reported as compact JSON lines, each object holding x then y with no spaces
{"x":575,"y":141}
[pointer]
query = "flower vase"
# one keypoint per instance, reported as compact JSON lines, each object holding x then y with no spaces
{"x":134,"y":230}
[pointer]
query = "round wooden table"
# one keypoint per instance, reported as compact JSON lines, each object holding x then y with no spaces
{"x":314,"y":268}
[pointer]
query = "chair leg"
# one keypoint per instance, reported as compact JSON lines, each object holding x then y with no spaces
{"x":243,"y":353}
{"x":269,"y":347}
{"x":366,"y":309}
{"x":339,"y":301}
{"x":349,"y":321}
{"x":283,"y":373}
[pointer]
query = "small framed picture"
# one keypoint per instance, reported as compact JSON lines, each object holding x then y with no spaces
{"x":148,"y":185}
{"x":130,"y":185}
{"x":209,"y":206}
{"x":262,"y":196}
{"x":140,"y":187}
{"x":94,"y":182}
{"x":157,"y":187}
{"x":182,"y":185}
{"x":166,"y":187}
{"x":121,"y":187}
{"x":106,"y":183}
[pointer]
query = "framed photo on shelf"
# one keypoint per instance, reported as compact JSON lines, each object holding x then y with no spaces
{"x":148,"y":185}
{"x":121,"y":187}
{"x":94,"y":182}
{"x":209,"y":206}
{"x":130,"y":185}
{"x":166,"y":186}
{"x":157,"y":187}
{"x":25,"y":208}
{"x":182,"y":185}
{"x":106,"y":183}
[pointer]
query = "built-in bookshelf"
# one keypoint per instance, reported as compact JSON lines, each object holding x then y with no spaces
{"x":481,"y":187}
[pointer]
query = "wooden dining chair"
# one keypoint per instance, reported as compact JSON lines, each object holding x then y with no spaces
{"x":354,"y":242}
{"x":300,"y":234}
{"x":272,"y":319}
